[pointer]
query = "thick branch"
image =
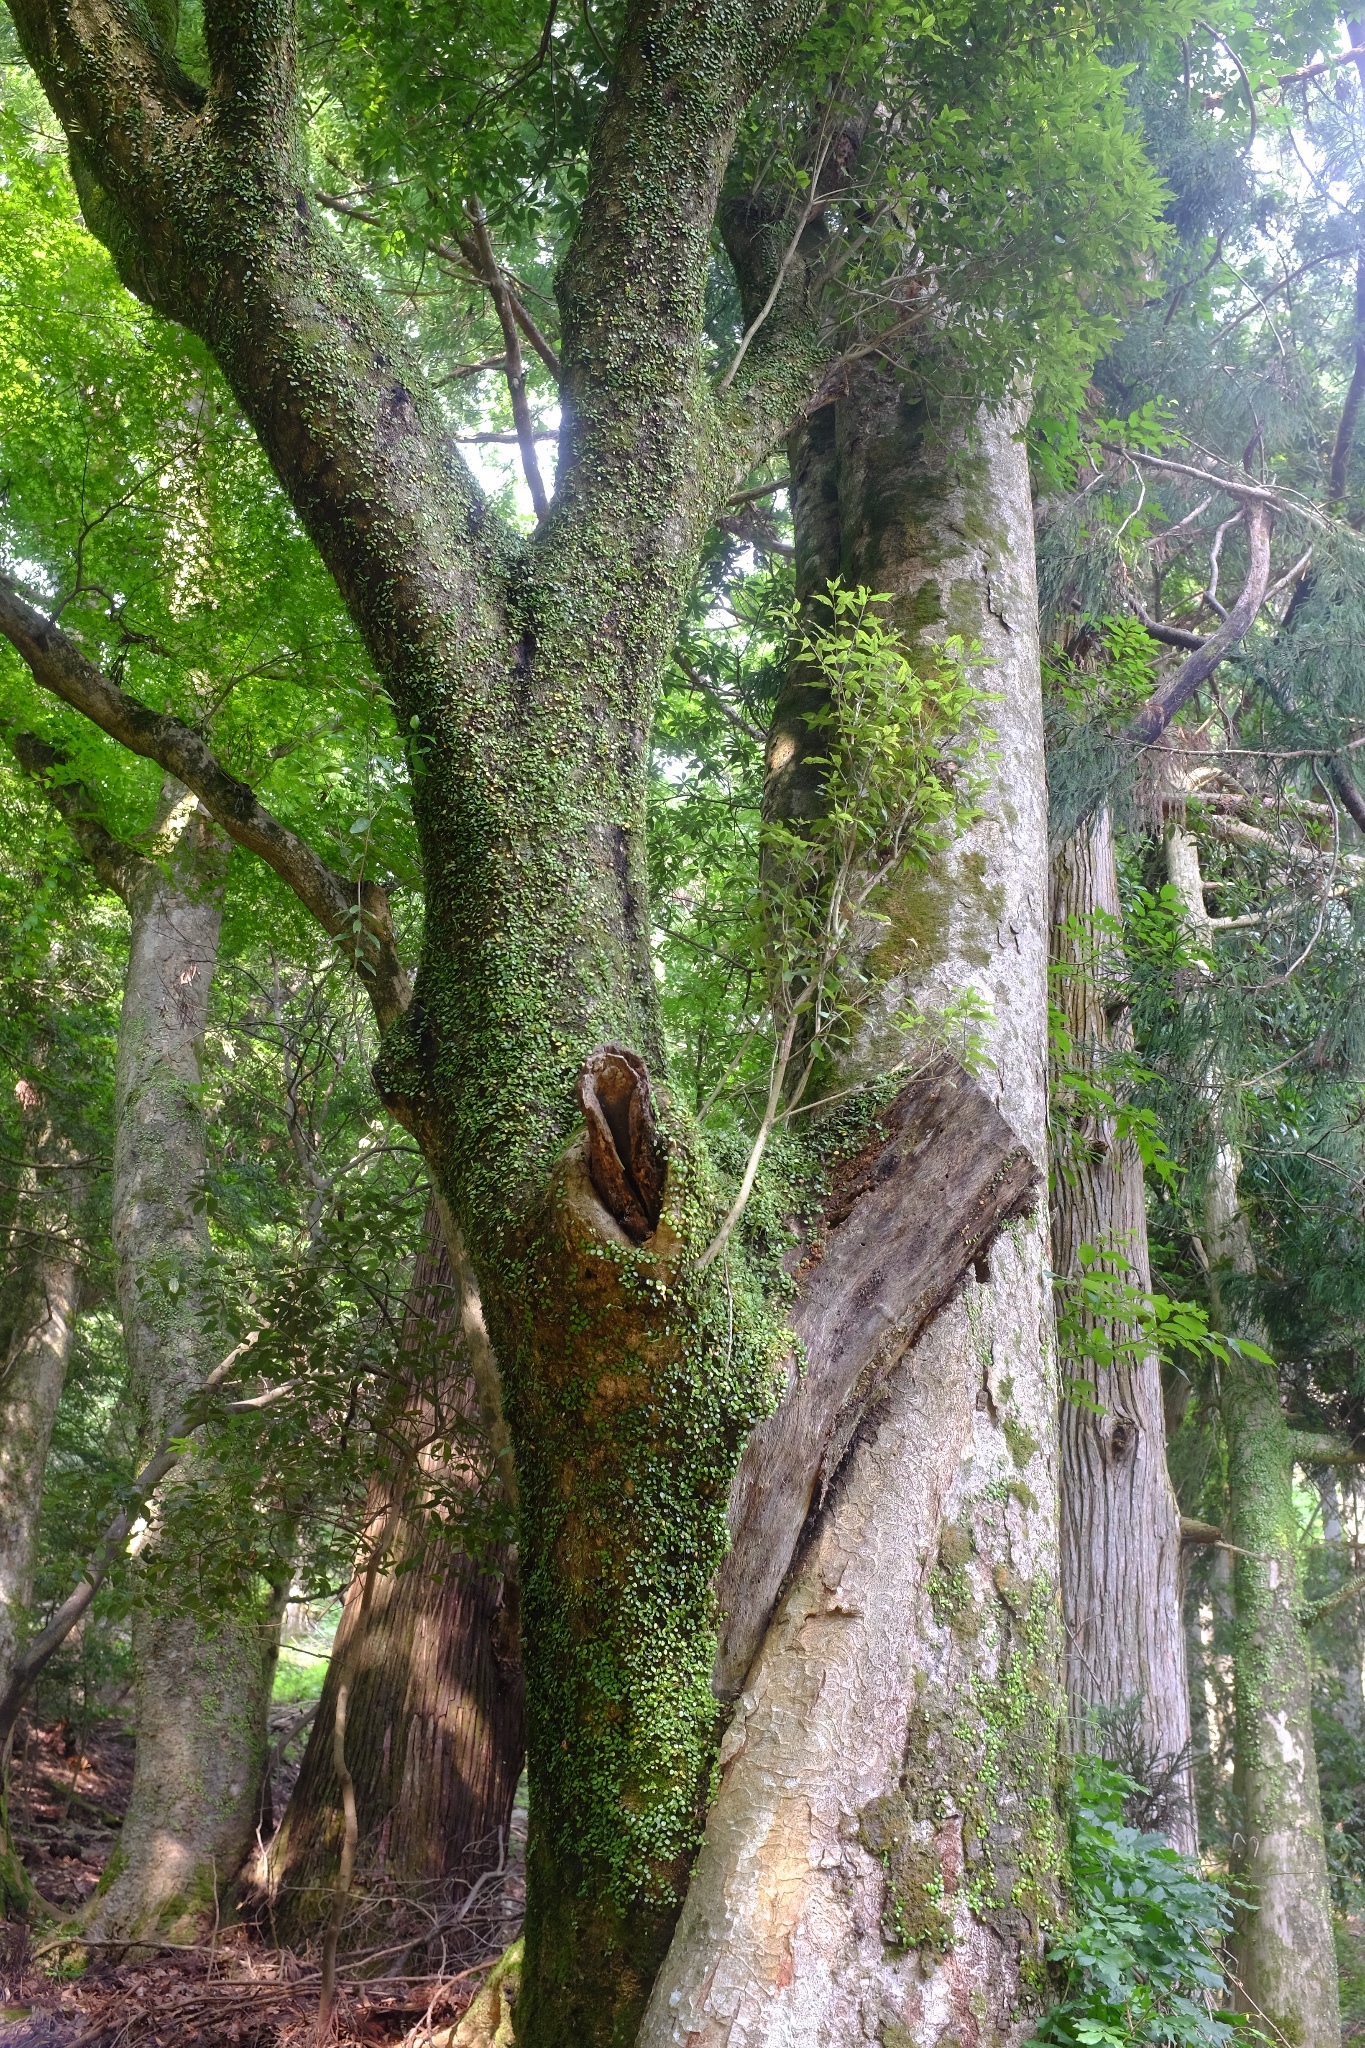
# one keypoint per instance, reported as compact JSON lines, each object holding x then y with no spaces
{"x":1163,"y":705}
{"x":1318,"y":1610}
{"x":355,"y":914}
{"x":1318,"y":1447}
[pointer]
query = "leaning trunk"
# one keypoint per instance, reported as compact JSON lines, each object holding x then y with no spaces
{"x":881,"y":1852}
{"x":1285,"y":1949}
{"x":199,"y":1668}
{"x":436,"y":1724}
{"x":1120,"y":1550}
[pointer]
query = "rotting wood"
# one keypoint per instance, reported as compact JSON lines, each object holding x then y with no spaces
{"x":942,"y":1177}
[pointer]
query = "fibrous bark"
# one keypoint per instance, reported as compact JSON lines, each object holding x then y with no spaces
{"x":880,"y":1855}
{"x":1120,"y":1526}
{"x":436,"y":1723}
{"x":1286,"y":1957}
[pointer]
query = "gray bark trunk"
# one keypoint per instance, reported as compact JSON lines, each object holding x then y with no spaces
{"x":1120,"y":1526}
{"x":881,"y":1852}
{"x":37,"y":1321}
{"x":1286,"y":1957}
{"x":199,"y":1679}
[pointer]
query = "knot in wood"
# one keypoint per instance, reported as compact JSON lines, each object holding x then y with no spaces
{"x":626,"y":1153}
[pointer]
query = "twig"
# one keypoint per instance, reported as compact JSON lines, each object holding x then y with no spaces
{"x":514,"y":367}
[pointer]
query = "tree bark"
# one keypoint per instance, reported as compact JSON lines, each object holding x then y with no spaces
{"x":436,"y":1719}
{"x":881,"y":1853}
{"x":1120,"y":1526}
{"x":199,"y":1679}
{"x":38,"y":1311}
{"x":1286,"y":1956}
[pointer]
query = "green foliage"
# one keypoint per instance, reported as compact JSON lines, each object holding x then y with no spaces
{"x":1140,"y":1960}
{"x":1107,"y":1319}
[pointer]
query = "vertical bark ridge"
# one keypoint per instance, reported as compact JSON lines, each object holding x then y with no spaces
{"x":1120,"y":1526}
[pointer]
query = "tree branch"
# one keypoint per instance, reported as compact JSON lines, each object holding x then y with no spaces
{"x":481,"y":251}
{"x":355,"y":914}
{"x":1318,"y":1610}
{"x":1163,"y":705}
{"x":1355,"y":392}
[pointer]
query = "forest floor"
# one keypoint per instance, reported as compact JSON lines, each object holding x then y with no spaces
{"x":236,"y":1990}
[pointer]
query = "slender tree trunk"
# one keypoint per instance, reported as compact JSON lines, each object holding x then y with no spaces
{"x":38,"y":1306}
{"x":1120,"y":1526}
{"x":436,"y":1721}
{"x":198,"y":1689}
{"x":882,"y":1850}
{"x":1285,"y":1951}
{"x":38,"y":1310}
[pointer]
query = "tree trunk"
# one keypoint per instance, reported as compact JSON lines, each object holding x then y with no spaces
{"x":38,"y":1309}
{"x":37,"y":1321}
{"x":436,"y":1721}
{"x":198,"y":1689}
{"x":882,"y":1849}
{"x":1120,"y":1526}
{"x":1285,"y":1950}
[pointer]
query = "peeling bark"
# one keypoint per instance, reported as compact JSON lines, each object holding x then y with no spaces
{"x":881,"y":1854}
{"x":1121,"y":1573}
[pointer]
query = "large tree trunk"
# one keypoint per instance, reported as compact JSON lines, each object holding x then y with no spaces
{"x":882,"y":1849}
{"x":1285,"y":1950}
{"x":436,"y":1719}
{"x":199,"y":1677}
{"x":1121,"y":1574}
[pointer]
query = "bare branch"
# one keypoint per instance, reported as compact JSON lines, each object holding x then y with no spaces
{"x":479,"y":248}
{"x":1162,"y":706}
{"x":355,"y":914}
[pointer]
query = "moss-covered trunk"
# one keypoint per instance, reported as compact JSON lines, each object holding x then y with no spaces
{"x":199,"y":1656}
{"x":882,"y":1854}
{"x":1121,"y":1572}
{"x":1286,"y":1957}
{"x":436,"y":1722}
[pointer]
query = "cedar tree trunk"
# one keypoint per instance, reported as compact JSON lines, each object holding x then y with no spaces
{"x":1121,"y":1575}
{"x":882,"y":1850}
{"x":436,"y":1719}
{"x":1285,"y":1950}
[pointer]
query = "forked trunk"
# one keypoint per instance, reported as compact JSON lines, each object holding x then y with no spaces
{"x":199,"y":1675}
{"x":882,"y":1848}
{"x":1127,"y":1690}
{"x":436,"y":1720}
{"x":1285,"y":1950}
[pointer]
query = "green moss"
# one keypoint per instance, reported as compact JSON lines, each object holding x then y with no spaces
{"x":912,"y":1903}
{"x":1023,"y":1444}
